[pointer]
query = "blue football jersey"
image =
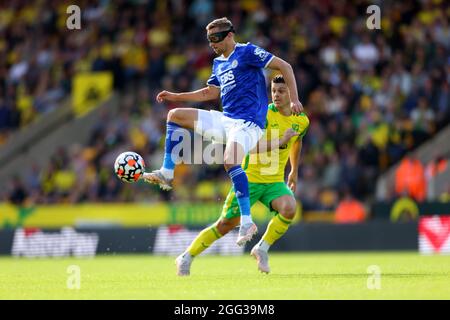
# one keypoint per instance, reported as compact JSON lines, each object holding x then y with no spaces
{"x":242,"y":83}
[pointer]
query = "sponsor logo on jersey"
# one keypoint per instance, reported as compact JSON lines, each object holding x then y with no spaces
{"x":261,"y":53}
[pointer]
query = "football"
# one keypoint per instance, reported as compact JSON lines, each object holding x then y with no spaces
{"x":129,"y":166}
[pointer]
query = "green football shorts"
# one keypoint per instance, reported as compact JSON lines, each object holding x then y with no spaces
{"x":263,"y":192}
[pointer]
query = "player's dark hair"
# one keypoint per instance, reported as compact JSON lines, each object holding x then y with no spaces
{"x":222,"y":23}
{"x":278,"y":79}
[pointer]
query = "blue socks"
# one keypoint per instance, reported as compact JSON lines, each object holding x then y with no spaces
{"x":168,"y":164}
{"x":240,"y":184}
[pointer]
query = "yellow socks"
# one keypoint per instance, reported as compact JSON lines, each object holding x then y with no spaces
{"x":276,"y":228}
{"x":204,"y":239}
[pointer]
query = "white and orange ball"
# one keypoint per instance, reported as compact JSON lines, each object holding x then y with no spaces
{"x":129,"y":166}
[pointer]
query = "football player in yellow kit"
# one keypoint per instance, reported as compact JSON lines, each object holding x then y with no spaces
{"x":265,"y":171}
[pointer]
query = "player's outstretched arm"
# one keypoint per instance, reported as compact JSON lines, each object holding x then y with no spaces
{"x":204,"y":94}
{"x":288,"y":75}
{"x":265,"y":145}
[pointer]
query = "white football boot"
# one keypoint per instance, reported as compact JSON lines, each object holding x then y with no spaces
{"x":262,"y":258}
{"x":157,"y":177}
{"x":246,"y":233}
{"x":183,"y":263}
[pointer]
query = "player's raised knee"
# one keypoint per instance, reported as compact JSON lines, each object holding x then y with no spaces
{"x":173,"y":115}
{"x":184,"y":117}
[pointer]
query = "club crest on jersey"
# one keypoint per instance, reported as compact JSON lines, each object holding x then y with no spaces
{"x":234,"y":64}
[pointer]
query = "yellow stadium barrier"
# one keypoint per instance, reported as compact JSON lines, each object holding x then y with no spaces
{"x":56,"y":216}
{"x":121,"y":215}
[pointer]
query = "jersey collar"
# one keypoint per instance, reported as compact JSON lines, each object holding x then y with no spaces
{"x":222,"y":58}
{"x":272,"y":106}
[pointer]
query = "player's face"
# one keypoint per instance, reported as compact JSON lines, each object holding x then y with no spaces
{"x":218,"y":47}
{"x":280,"y":94}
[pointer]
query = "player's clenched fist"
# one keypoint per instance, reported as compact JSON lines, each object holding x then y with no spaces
{"x":166,"y":96}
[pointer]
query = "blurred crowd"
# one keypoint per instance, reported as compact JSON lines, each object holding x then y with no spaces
{"x":371,"y":95}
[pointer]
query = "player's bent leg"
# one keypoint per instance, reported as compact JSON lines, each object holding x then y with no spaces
{"x":286,"y":208}
{"x":178,"y":121}
{"x":242,"y":137}
{"x":225,"y":225}
{"x":210,"y":234}
{"x":233,"y":156}
{"x":184,"y":117}
{"x":204,"y":240}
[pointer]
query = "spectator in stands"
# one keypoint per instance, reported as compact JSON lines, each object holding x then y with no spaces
{"x":423,"y":121}
{"x":349,"y":209}
{"x":410,"y":179}
{"x":18,"y":194}
{"x":366,"y":53}
{"x":434,"y":168}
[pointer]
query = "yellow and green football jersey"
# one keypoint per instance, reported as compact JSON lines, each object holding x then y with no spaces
{"x":269,"y":167}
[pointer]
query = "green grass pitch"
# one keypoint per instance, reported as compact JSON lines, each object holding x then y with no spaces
{"x":404,"y":275}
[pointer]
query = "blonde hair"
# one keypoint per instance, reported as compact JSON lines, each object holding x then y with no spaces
{"x":222,"y":23}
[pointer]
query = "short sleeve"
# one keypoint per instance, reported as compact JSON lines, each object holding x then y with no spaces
{"x":212,"y":81}
{"x":257,"y":57}
{"x":304,"y":131}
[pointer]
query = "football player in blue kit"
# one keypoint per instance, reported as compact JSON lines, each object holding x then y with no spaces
{"x":238,"y":79}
